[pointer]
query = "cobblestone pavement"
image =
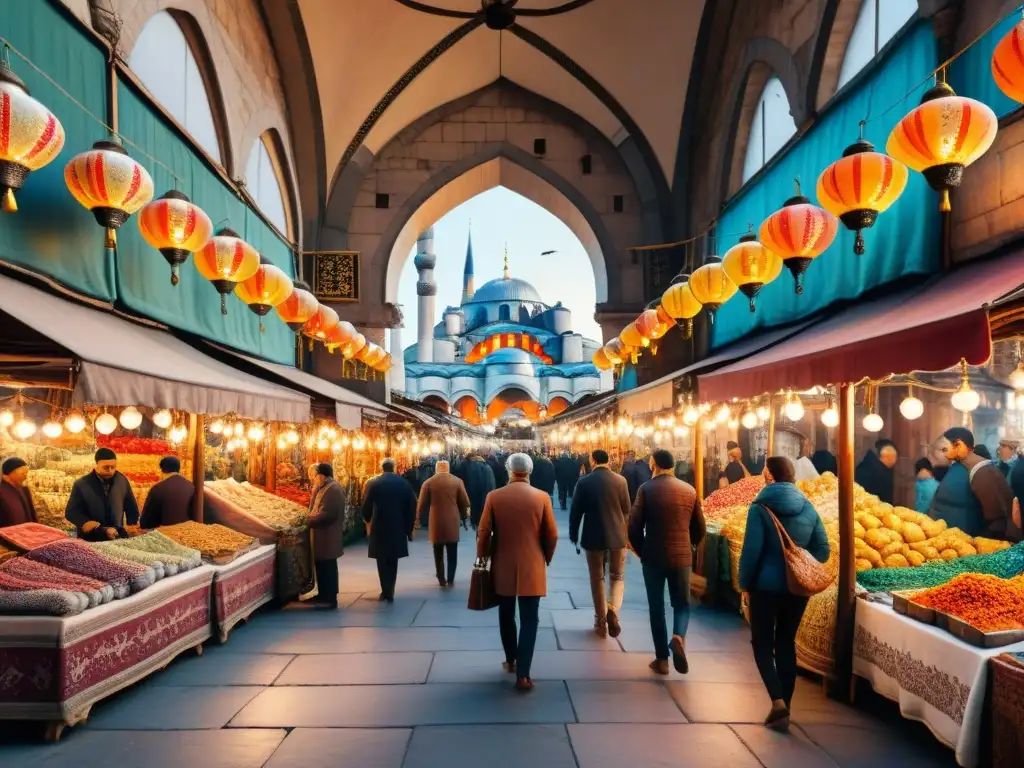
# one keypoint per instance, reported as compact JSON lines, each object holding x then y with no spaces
{"x":418,"y":683}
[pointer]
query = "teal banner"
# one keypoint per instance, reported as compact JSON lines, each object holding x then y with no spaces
{"x":971,"y":74}
{"x":903,"y":242}
{"x":51,"y":234}
{"x":143,"y":276}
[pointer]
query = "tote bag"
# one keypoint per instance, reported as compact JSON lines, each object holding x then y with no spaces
{"x":805,"y":576}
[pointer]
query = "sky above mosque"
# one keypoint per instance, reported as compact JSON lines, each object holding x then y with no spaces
{"x":501,"y":216}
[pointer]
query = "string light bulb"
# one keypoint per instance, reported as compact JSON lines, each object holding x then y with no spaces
{"x":74,"y":422}
{"x":873,"y":422}
{"x":1016,"y":378}
{"x":6,"y":417}
{"x":24,"y":428}
{"x":965,"y":398}
{"x":105,"y":424}
{"x":911,"y":407}
{"x":255,"y":433}
{"x":282,"y":444}
{"x":130,"y":418}
{"x":217,"y":427}
{"x":53,"y":429}
{"x":723,"y":414}
{"x":830,"y":417}
{"x":763,"y":412}
{"x":748,"y":419}
{"x":292,"y":437}
{"x":794,"y":409}
{"x":163,"y":419}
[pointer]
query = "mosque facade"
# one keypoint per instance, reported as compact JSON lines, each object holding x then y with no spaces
{"x":502,"y":353}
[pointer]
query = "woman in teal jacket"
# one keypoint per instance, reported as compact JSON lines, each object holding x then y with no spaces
{"x":775,"y":613}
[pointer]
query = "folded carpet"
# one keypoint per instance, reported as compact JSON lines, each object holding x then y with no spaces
{"x":28,"y":536}
{"x":154,"y":541}
{"x":57,"y":578}
{"x":117,"y":551}
{"x":77,"y":557}
{"x":42,"y":602}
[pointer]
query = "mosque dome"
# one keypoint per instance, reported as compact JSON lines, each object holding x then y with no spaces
{"x":506,"y":289}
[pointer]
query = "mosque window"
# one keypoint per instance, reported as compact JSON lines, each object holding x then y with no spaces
{"x":877,"y":23}
{"x":264,"y":181}
{"x":771,"y":128}
{"x":171,"y":61}
{"x":618,"y":203}
{"x":586,"y":165}
{"x":383,"y":200}
{"x":540,"y":147}
{"x":511,"y":342}
{"x":505,"y":313}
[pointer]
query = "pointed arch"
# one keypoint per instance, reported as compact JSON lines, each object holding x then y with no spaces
{"x":267,"y":181}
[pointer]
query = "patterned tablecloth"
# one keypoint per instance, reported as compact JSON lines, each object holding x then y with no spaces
{"x":56,"y":668}
{"x":934,"y":677}
{"x":242,"y":586}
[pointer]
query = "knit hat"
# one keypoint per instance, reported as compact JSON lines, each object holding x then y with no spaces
{"x":12,"y":464}
{"x":105,"y":454}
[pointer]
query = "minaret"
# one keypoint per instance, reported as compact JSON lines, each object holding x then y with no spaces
{"x":426,"y":289}
{"x":467,"y":271}
{"x":506,"y":275}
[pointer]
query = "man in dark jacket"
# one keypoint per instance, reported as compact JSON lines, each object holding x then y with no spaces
{"x":664,"y":526}
{"x":169,"y":502}
{"x":874,"y":473}
{"x":16,"y":505}
{"x":636,"y":472}
{"x":601,"y":503}
{"x":102,"y":502}
{"x":543,"y":476}
{"x":567,"y":473}
{"x":497,"y":465}
{"x":389,"y":506}
{"x":327,"y":522}
{"x":479,"y":481}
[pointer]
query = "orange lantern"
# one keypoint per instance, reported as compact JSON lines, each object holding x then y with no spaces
{"x":650,"y":326}
{"x":354,"y":346}
{"x":751,"y":266}
{"x":799,"y":232}
{"x":615,"y":351}
{"x":664,"y":318}
{"x":298,"y":307}
{"x":679,"y":303}
{"x":711,"y":286}
{"x":632,"y":337}
{"x":320,"y":323}
{"x":110,"y":184}
{"x":601,"y":361}
{"x":384,"y":364}
{"x":264,"y":290}
{"x":941,"y":136}
{"x":30,"y":135}
{"x":339,"y":335}
{"x":176,"y":227}
{"x":1008,"y":63}
{"x":859,"y":186}
{"x":226,"y":261}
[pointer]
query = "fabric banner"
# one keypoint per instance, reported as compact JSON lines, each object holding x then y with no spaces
{"x":144,"y":277}
{"x":905,"y":239}
{"x":51,"y":234}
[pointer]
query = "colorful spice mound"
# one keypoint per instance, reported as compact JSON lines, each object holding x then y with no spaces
{"x":77,"y":557}
{"x":740,"y":493}
{"x":24,"y":574}
{"x":26,"y":536}
{"x":213,"y":541}
{"x":115,"y":551}
{"x":1005,"y":564}
{"x":986,"y":602}
{"x":42,"y":602}
{"x":170,"y":551}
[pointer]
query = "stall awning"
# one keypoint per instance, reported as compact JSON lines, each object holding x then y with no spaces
{"x":124,"y":363}
{"x":349,"y":406}
{"x":925,"y":328}
{"x":423,"y":418}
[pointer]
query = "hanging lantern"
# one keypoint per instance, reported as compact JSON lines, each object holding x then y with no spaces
{"x":632,"y":337}
{"x":650,"y":325}
{"x":109,"y":183}
{"x":298,"y":307}
{"x":105,"y":424}
{"x":1008,"y":64}
{"x":679,"y":303}
{"x":711,"y":286}
{"x":663,"y":318}
{"x":751,"y":266}
{"x":264,"y":290}
{"x":799,"y":232}
{"x":30,"y":135}
{"x":176,"y":227}
{"x":601,"y":361}
{"x":384,"y":364}
{"x":320,"y":323}
{"x":354,"y":346}
{"x":226,"y":261}
{"x":941,"y":136}
{"x":615,"y":351}
{"x":859,"y":186}
{"x":339,"y":335}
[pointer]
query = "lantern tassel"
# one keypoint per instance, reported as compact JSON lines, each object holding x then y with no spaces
{"x":223,"y":304}
{"x":688,"y":328}
{"x":174,"y":274}
{"x":262,"y":329}
{"x":10,"y":205}
{"x":752,"y":307}
{"x":858,"y":243}
{"x":111,"y":241}
{"x":944,"y":205}
{"x":799,"y":284}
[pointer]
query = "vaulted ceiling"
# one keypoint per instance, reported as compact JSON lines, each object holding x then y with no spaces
{"x":622,"y":65}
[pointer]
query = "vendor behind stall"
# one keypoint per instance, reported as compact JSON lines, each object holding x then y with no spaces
{"x":102,"y":501}
{"x":169,"y":502}
{"x":734,"y":469}
{"x":1007,"y":457}
{"x":16,"y":505}
{"x":973,"y":496}
{"x":874,"y":473}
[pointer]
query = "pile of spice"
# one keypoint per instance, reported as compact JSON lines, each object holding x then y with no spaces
{"x":213,"y":541}
{"x":986,"y":602}
{"x":1005,"y":564}
{"x":718,"y":505}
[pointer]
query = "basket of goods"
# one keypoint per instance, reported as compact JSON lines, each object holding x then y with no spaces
{"x":294,"y":564}
{"x":815,"y":636}
{"x":980,"y":609}
{"x":218,"y":544}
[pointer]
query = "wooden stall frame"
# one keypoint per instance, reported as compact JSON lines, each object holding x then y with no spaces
{"x":843,"y":682}
{"x":197,"y":428}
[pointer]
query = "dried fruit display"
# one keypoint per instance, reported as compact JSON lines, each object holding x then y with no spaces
{"x":77,"y":557}
{"x":157,"y":543}
{"x":741,"y":493}
{"x":986,"y":602}
{"x":50,"y":510}
{"x":291,"y":493}
{"x":136,"y":445}
{"x":276,"y":512}
{"x":215,"y":542}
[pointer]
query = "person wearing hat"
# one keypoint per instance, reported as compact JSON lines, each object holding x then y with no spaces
{"x":16,"y":505}
{"x":973,"y":496}
{"x":327,"y":522}
{"x":1006,"y":457}
{"x":170,"y":501}
{"x":102,"y":501}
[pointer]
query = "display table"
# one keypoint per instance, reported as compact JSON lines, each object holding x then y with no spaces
{"x":55,"y":669}
{"x":242,"y":586}
{"x":934,"y":677}
{"x":1008,"y":710}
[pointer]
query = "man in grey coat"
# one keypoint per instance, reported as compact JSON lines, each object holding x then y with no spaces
{"x":327,"y":523}
{"x":601,"y":503}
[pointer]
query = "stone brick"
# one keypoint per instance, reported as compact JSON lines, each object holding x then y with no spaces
{"x":365,"y":198}
{"x":496,"y":132}
{"x":440,"y":152}
{"x":477,"y":115}
{"x":1006,"y":219}
{"x":515,"y":115}
{"x":489,"y":98}
{"x":1010,"y":181}
{"x":970,"y":233}
{"x":474,"y":132}
{"x":369,"y":220}
{"x":451,"y":131}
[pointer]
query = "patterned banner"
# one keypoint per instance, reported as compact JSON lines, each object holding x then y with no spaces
{"x":336,"y":275}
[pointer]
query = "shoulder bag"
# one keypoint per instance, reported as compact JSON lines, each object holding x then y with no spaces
{"x":805,"y":576}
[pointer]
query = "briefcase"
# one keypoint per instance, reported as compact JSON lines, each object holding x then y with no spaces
{"x":481,"y":589}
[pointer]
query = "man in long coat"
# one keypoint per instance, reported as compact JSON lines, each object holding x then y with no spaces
{"x":327,"y":522}
{"x":444,"y":497}
{"x":479,"y":480}
{"x":389,"y":506}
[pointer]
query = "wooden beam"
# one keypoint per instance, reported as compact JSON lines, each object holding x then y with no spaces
{"x":771,"y":426}
{"x":197,"y":428}
{"x":698,"y":457}
{"x":843,"y":641}
{"x":271,"y":458}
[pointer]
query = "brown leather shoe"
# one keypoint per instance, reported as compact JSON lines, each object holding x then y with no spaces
{"x":612,"y":620}
{"x":524,"y":684}
{"x":660,"y":666}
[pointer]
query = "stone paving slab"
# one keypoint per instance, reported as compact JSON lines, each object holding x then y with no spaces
{"x":357,"y":669}
{"x":659,"y":746}
{"x":483,"y":666}
{"x":623,"y":702}
{"x":450,"y":614}
{"x":574,"y":631}
{"x":721,"y":702}
{"x":170,"y":708}
{"x":359,"y":613}
{"x":490,"y":746}
{"x":223,"y":669}
{"x":337,"y":747}
{"x":152,"y":749}
{"x":396,"y":706}
{"x":782,"y":750}
{"x":869,"y":748}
